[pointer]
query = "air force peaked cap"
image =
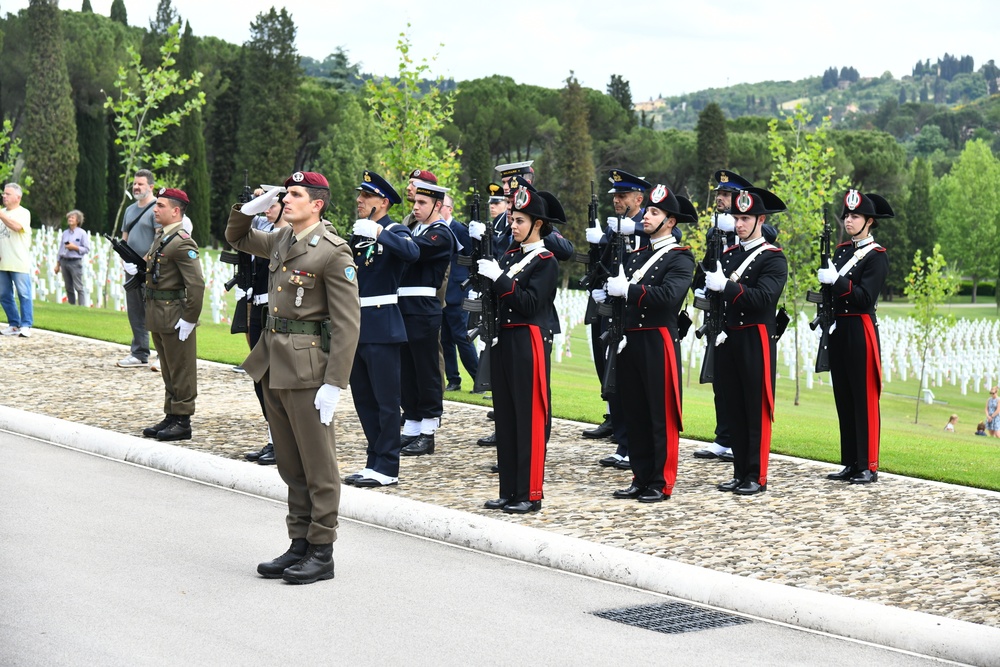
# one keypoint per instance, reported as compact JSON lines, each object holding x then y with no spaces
{"x":372,"y":182}
{"x":622,"y":181}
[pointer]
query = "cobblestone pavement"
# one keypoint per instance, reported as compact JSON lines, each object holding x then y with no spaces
{"x":912,"y":544}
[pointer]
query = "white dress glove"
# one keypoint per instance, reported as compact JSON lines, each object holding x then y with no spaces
{"x":699,"y":293}
{"x":489,"y":268}
{"x":727,"y":223}
{"x":365,"y":227}
{"x":715,"y":281}
{"x":477,"y":229}
{"x":184,"y":329}
{"x":622,"y":344}
{"x":594,"y":235}
{"x":258,"y":205}
{"x":618,"y":285}
{"x":326,"y":402}
{"x":627,"y":225}
{"x":474,"y":295}
{"x":599,"y":295}
{"x":239,"y":294}
{"x":130,"y":268}
{"x":828,"y":274}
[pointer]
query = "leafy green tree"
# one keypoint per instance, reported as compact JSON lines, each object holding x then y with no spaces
{"x":195,"y":176}
{"x":713,"y":145}
{"x":318,"y":107}
{"x":966,"y":205}
{"x":574,"y":163}
{"x":118,"y":13}
{"x":49,"y":125}
{"x":804,"y":178}
{"x":928,"y":285}
{"x":10,"y":151}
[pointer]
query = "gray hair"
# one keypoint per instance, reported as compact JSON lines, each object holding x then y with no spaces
{"x":76,"y":214}
{"x":147,"y":174}
{"x":15,"y":187}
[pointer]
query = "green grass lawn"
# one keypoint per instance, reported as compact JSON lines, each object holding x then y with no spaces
{"x":807,"y":430}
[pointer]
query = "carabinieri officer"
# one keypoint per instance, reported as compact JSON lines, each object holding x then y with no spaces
{"x":857,"y":276}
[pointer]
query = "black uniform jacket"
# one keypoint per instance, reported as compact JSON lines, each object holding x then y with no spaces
{"x":654,"y":300}
{"x":753,"y":299}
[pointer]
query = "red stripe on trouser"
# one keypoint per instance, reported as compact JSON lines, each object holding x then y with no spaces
{"x":539,"y":414}
{"x":873,"y":390}
{"x":766,"y":403}
{"x":671,"y":412}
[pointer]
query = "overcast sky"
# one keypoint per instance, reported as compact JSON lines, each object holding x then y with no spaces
{"x":663,"y":47}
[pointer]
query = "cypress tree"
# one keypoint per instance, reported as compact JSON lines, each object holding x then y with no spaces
{"x":223,"y":142}
{"x":713,"y":145}
{"x":50,"y":149}
{"x":86,"y":9}
{"x":196,"y":182}
{"x":574,"y":160}
{"x":118,"y":12}
{"x":92,"y":171}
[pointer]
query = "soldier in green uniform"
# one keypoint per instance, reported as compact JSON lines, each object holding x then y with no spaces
{"x":303,"y":360}
{"x":175,"y":290}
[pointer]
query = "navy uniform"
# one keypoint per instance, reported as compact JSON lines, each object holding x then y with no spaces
{"x":175,"y":292}
{"x":422,"y":390}
{"x":752,"y":278}
{"x":455,"y":341}
{"x":657,"y":278}
{"x":303,"y":359}
{"x":861,"y":266}
{"x":381,"y":261}
{"x":519,"y":361}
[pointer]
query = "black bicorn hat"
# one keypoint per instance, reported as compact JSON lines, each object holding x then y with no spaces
{"x":372,"y":182}
{"x":622,"y":181}
{"x":868,"y":205}
{"x":730,"y":180}
{"x":757,"y":201}
{"x":677,"y":206}
{"x":542,"y":205}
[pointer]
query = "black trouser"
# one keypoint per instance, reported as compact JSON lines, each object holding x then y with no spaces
{"x":855,"y":369}
{"x":375,"y":389}
{"x":421,"y":392}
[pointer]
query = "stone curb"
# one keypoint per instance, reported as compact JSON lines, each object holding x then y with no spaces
{"x":901,"y":629}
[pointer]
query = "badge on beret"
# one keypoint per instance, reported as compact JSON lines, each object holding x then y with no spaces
{"x":298,"y":177}
{"x":415,"y":174}
{"x":192,"y":254}
{"x":350,"y":272}
{"x":744,"y":202}
{"x":852,"y":200}
{"x":522,"y":198}
{"x":658,"y":194}
{"x":161,"y":191}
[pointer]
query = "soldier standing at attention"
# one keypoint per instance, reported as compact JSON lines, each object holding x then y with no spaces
{"x":857,"y":276}
{"x":303,"y":361}
{"x":175,"y":290}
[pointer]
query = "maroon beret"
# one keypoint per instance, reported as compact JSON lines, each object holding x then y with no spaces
{"x":172,"y":193}
{"x":307,"y":179}
{"x":424,"y":175}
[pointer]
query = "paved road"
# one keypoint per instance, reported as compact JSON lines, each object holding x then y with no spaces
{"x":113,"y":564}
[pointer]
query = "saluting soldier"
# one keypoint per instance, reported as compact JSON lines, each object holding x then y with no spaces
{"x":654,"y":282}
{"x":303,"y":361}
{"x":856,"y":277}
{"x":750,"y":277}
{"x":175,"y":291}
{"x":382,"y":249}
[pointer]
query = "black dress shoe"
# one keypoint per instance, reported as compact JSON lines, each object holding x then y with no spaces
{"x":610,"y":461}
{"x":749,"y":488}
{"x":351,"y":479}
{"x":729,"y":486}
{"x":727,"y":456}
{"x":494,"y":468}
{"x":405,"y":440}
{"x":488,"y":441}
{"x":497,"y":504}
{"x":253,"y":456}
{"x":370,"y":483}
{"x":423,"y":444}
{"x":317,"y":565}
{"x":624,"y":464}
{"x":705,"y":454}
{"x":523,"y":507}
{"x":602,"y":431}
{"x":180,"y":429}
{"x":844,"y":475}
{"x":151,"y":431}
{"x":454,"y":386}
{"x":275,"y":568}
{"x":629,"y":493}
{"x":267,"y":456}
{"x":652,"y":496}
{"x":489,"y":415}
{"x":864,"y":477}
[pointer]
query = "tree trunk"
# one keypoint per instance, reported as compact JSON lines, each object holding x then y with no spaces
{"x":975,"y":286}
{"x":920,"y":384}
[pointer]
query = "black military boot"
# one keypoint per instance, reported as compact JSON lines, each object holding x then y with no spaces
{"x":424,"y":444}
{"x":180,"y":429}
{"x":602,"y":431}
{"x":151,"y":431}
{"x":317,"y":565}
{"x":275,"y":568}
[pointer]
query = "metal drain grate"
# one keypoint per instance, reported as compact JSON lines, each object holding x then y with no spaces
{"x":671,"y":617}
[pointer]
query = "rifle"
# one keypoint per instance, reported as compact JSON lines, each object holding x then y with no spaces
{"x":615,"y":307}
{"x":825,"y":316}
{"x":125,"y":251}
{"x":243,"y":275}
{"x":596,"y":273}
{"x":486,"y":304}
{"x":712,"y":305}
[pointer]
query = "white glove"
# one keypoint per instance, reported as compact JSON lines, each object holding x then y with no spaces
{"x":618,"y":285}
{"x":599,"y":295}
{"x":239,"y":294}
{"x":326,"y":402}
{"x":258,"y":205}
{"x":727,"y":223}
{"x":130,"y":268}
{"x":627,"y":225}
{"x":715,"y":281}
{"x":622,"y":344}
{"x":594,"y":235}
{"x":476,"y":229}
{"x":365,"y":227}
{"x":489,"y":268}
{"x":699,"y":293}
{"x":721,"y":338}
{"x":828,"y":275}
{"x":187,"y":225}
{"x":184,"y":329}
{"x":474,"y":295}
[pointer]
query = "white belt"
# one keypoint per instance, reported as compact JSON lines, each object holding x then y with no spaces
{"x":417,"y":291}
{"x":382,"y":300}
{"x":259,"y":299}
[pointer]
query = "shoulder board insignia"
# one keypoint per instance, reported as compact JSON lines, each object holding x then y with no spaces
{"x":183,"y":234}
{"x":331,"y":236}
{"x":878,"y":248}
